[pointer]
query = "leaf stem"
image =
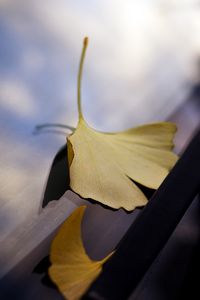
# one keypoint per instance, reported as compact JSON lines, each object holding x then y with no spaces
{"x":80,"y":71}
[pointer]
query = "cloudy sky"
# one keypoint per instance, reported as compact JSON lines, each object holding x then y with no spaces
{"x":140,"y":65}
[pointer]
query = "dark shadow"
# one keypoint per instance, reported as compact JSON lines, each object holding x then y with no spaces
{"x":50,"y":131}
{"x":147,"y":191}
{"x":191,"y":285}
{"x":42,"y":268}
{"x":58,"y":180}
{"x":190,"y":288}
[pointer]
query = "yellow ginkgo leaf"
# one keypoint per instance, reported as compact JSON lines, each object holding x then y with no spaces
{"x":103,"y":164}
{"x":72,"y":270}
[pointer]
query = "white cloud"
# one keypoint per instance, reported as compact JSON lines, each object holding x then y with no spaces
{"x":16,"y":98}
{"x":134,"y":46}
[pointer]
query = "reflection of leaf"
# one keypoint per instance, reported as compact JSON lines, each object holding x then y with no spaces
{"x":72,"y":270}
{"x":42,"y":266}
{"x":102,"y":164}
{"x":58,"y":180}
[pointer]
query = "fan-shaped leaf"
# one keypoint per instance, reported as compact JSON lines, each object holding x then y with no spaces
{"x":72,"y":270}
{"x":103,"y":166}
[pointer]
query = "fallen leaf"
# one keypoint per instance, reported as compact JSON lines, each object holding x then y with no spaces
{"x":103,"y":166}
{"x":72,"y":270}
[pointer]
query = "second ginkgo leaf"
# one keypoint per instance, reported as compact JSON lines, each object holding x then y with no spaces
{"x":72,"y":270}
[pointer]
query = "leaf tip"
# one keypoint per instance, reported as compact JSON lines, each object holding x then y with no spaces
{"x":85,"y":41}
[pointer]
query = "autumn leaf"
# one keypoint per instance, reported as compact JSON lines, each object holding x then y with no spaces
{"x":72,"y":270}
{"x":103,"y":166}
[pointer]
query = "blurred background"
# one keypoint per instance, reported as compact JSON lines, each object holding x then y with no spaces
{"x":142,"y":65}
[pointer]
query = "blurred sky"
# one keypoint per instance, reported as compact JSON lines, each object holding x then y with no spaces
{"x":140,"y":65}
